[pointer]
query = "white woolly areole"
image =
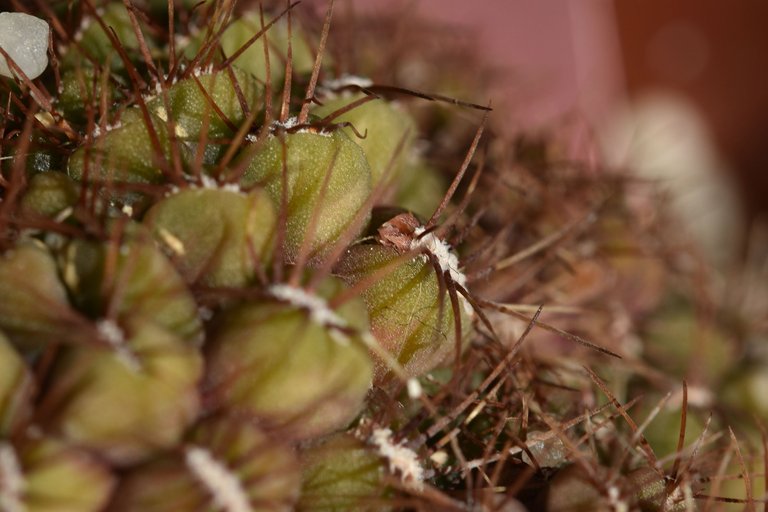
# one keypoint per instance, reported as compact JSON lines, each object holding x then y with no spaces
{"x":156,"y":89}
{"x":108,"y":128}
{"x":25,"y":39}
{"x":206,"y":182}
{"x":225,"y":487}
{"x":287,"y":124}
{"x":115,"y":337}
{"x":292,"y":122}
{"x":447,"y":260}
{"x":401,"y":460}
{"x":318,"y":308}
{"x":12,"y":482}
{"x":442,"y":251}
{"x":202,"y":71}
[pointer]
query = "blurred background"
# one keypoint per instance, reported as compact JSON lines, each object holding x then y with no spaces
{"x":677,"y":90}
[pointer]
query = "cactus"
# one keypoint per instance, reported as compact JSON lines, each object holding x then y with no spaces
{"x":327,"y":180}
{"x":229,"y":461}
{"x":235,"y":277}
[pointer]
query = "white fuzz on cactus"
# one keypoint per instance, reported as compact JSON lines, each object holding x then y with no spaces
{"x":447,"y":260}
{"x":402,"y":460}
{"x":225,"y":487}
{"x":115,"y":337}
{"x":318,"y":308}
{"x":12,"y":480}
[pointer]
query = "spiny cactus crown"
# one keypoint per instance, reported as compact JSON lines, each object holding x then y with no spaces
{"x":235,"y":275}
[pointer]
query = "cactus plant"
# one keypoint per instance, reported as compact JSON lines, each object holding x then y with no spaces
{"x":235,"y":276}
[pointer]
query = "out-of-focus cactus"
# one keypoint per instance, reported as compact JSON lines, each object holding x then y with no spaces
{"x":226,"y":461}
{"x":291,"y":361}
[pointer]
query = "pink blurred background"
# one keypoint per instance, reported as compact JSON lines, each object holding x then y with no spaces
{"x":559,"y":54}
{"x":593,"y":58}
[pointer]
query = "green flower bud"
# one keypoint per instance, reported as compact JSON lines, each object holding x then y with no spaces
{"x":292,"y":363}
{"x":34,"y":309}
{"x":48,"y":193}
{"x":80,"y":87}
{"x":385,"y":125}
{"x":341,"y":473}
{"x":130,"y":399}
{"x":217,"y":237}
{"x":95,"y":42}
{"x":46,"y":475}
{"x":253,"y":60}
{"x":404,"y":307}
{"x":208,"y":97}
{"x":124,"y":154}
{"x":309,"y":156}
{"x":144,"y":283}
{"x":225,"y":461}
